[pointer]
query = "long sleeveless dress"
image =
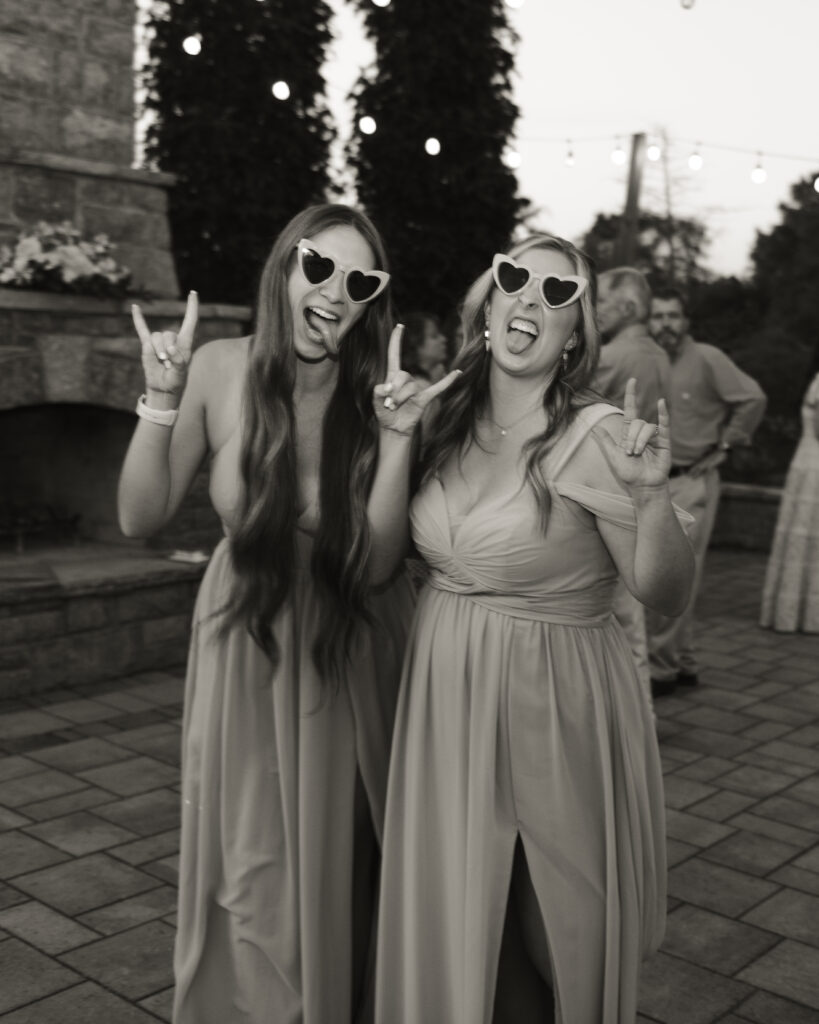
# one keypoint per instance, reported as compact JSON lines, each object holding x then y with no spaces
{"x":283,"y":795}
{"x":520,"y":715}
{"x":790,"y":596}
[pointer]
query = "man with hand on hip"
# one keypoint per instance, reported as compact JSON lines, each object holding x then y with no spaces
{"x":716,"y":407}
{"x":623,"y":307}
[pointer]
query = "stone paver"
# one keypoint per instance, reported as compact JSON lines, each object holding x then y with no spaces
{"x":89,"y":816}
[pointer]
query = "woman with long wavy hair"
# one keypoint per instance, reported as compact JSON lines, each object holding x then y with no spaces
{"x":299,"y":625}
{"x":523,"y":872}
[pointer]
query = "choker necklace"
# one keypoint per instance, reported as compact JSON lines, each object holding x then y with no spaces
{"x":311,"y":359}
{"x":505,"y":430}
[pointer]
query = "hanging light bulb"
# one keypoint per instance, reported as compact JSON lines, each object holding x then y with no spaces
{"x":695,"y":161}
{"x":816,"y":184}
{"x":192,"y":45}
{"x":512,"y":158}
{"x":653,"y":152}
{"x":367,"y":125}
{"x":759,"y":175}
{"x":618,"y":154}
{"x":569,"y":157}
{"x":281,"y":90}
{"x":381,"y":3}
{"x":432,"y":146}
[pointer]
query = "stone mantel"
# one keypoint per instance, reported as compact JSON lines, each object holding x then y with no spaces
{"x":88,"y":168}
{"x":30,"y":299}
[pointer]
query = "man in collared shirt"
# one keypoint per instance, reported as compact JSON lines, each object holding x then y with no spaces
{"x":623,"y":307}
{"x":714,"y":407}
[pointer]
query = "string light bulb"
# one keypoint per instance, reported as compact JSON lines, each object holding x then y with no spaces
{"x":512,"y":158}
{"x":759,"y":175}
{"x":653,"y":152}
{"x":432,"y":146}
{"x":695,"y":161}
{"x":816,"y":184}
{"x":192,"y":45}
{"x":618,"y":154}
{"x":569,"y":158}
{"x":381,"y":3}
{"x":281,"y":90}
{"x":367,"y":125}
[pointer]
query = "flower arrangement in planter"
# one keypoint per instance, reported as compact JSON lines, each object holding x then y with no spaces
{"x":56,"y":258}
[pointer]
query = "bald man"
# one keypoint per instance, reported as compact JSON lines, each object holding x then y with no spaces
{"x":623,"y":309}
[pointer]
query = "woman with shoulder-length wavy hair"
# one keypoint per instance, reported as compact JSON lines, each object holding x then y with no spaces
{"x":293,"y":665}
{"x":523,"y":872}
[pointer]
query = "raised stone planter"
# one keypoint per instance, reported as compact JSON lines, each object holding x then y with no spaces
{"x":746,"y":517}
{"x":112,"y":618}
{"x":128,"y":205}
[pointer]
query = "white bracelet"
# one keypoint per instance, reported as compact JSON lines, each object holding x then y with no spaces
{"x":164,"y":417}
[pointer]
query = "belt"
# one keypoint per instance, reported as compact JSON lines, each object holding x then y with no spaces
{"x":679,"y":470}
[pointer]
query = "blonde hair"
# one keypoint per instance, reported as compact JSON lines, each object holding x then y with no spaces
{"x":465,"y":401}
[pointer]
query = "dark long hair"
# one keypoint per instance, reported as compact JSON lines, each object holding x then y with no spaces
{"x":465,"y":401}
{"x":263,"y":545}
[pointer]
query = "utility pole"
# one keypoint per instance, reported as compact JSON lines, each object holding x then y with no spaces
{"x":626,"y":247}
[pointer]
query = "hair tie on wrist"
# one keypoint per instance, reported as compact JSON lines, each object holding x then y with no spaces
{"x":163,"y":417}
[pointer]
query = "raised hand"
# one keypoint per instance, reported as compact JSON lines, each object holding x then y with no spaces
{"x":165,"y":354}
{"x":400,"y":401}
{"x":642,"y":455}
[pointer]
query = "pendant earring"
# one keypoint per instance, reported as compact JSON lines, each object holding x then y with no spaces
{"x":565,"y":359}
{"x":486,"y":338}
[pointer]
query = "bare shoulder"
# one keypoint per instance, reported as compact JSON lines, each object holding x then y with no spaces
{"x":221,"y":356}
{"x":217,"y":365}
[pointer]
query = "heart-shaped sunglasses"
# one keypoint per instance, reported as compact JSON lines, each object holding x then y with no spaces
{"x":359,"y":285}
{"x":555,"y":290}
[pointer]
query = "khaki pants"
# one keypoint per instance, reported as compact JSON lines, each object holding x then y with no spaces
{"x":671,"y":640}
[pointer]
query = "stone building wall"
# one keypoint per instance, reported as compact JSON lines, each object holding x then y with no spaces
{"x":67,"y":133}
{"x":66,"y":79}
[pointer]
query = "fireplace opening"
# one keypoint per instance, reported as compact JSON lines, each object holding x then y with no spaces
{"x":59,"y":466}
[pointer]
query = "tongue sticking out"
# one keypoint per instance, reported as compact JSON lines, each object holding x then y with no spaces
{"x":322,"y":331}
{"x":518,"y":341}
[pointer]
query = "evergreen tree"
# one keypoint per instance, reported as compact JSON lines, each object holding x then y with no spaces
{"x":245,"y":161}
{"x":670,"y":250}
{"x":786,"y":265}
{"x":442,"y":71}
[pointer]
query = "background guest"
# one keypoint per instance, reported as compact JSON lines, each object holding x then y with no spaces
{"x":715,"y":407}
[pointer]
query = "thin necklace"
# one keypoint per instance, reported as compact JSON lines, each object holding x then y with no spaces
{"x":505,"y":430}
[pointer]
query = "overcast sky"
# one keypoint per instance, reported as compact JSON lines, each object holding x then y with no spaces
{"x":738,"y":73}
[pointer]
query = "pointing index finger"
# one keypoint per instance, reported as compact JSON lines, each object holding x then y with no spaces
{"x":394,"y":351}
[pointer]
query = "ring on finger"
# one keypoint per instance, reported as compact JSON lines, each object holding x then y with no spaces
{"x":389,"y":403}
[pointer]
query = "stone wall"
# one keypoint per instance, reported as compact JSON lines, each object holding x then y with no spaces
{"x":67,"y":133}
{"x":746,"y":517}
{"x":66,"y":78}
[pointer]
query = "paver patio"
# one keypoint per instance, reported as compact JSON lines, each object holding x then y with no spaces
{"x":89,"y":835}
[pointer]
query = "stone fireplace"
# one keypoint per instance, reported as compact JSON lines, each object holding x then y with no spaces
{"x":77,"y":600}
